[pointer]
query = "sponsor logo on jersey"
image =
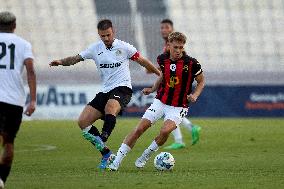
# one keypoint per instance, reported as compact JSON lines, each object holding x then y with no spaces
{"x":112,"y":65}
{"x":173,"y":67}
{"x":173,"y":81}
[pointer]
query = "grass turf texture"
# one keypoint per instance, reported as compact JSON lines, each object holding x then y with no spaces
{"x":232,"y":153}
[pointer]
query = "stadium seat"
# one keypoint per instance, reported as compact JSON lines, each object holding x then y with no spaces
{"x":224,"y":35}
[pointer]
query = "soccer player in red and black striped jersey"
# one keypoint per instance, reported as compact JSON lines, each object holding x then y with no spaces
{"x":174,"y":92}
{"x":166,"y":28}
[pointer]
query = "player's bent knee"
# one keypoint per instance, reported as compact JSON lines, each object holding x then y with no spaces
{"x":82,"y":123}
{"x":112,"y":107}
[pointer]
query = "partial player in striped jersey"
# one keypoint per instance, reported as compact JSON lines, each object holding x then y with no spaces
{"x":174,"y":91}
{"x":166,"y":28}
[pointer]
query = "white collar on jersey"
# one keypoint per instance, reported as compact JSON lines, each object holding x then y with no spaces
{"x":114,"y":43}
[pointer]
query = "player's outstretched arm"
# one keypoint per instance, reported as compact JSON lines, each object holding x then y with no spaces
{"x":31,"y":77}
{"x":67,"y":61}
{"x":148,"y":65}
{"x":198,"y":89}
{"x":147,"y":91}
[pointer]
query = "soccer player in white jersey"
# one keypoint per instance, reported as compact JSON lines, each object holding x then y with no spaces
{"x":15,"y":54}
{"x":112,"y":58}
{"x":166,"y":28}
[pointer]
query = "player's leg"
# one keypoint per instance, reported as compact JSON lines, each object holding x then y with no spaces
{"x":129,"y":143}
{"x":117,"y":101}
{"x":132,"y":138}
{"x":91,"y":113}
{"x":152,"y":114}
{"x":112,"y":109}
{"x":10,"y":121}
{"x":6,"y":158}
{"x":88,"y":116}
{"x":194,"y":129}
{"x":1,"y":184}
{"x":165,"y":131}
{"x":173,"y":117}
{"x":178,"y":144}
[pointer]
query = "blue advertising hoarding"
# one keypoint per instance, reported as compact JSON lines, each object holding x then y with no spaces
{"x":223,"y":101}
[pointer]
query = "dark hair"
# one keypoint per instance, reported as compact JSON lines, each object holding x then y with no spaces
{"x":7,"y":21}
{"x":104,"y":24}
{"x":167,"y":21}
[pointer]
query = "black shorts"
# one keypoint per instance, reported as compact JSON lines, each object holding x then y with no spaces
{"x":10,"y":120}
{"x":122,"y":94}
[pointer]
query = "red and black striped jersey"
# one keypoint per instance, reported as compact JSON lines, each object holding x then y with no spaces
{"x":178,"y":77}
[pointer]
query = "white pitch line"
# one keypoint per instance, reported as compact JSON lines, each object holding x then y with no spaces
{"x":37,"y":148}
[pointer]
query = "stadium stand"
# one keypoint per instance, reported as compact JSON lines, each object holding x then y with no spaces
{"x":56,"y":29}
{"x":237,"y":42}
{"x":120,"y":14}
{"x":134,"y":18}
{"x":153,"y":12}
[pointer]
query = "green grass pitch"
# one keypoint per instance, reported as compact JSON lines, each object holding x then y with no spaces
{"x":232,"y":153}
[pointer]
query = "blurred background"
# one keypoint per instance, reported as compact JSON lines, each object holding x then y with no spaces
{"x":239,"y":43}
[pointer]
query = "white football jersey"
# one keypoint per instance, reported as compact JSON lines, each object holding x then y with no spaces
{"x":112,"y":63}
{"x":13,"y":51}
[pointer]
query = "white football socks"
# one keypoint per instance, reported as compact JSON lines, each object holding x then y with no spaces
{"x":87,"y":128}
{"x":177,"y":135}
{"x":186,"y":123}
{"x":121,"y":153}
{"x":150,"y":150}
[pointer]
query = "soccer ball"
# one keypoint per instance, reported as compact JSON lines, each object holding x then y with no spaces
{"x":109,"y":160}
{"x":164,"y":161}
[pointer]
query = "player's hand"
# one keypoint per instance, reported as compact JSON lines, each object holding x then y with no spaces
{"x":30,"y":109}
{"x":147,"y":91}
{"x":191,"y":98}
{"x":55,"y":63}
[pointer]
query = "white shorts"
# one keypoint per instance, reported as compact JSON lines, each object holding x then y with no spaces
{"x":159,"y":109}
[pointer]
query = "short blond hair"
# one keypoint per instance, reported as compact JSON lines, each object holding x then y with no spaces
{"x":177,"y":36}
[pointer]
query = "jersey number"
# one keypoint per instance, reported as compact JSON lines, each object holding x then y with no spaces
{"x":3,"y":53}
{"x":183,"y":113}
